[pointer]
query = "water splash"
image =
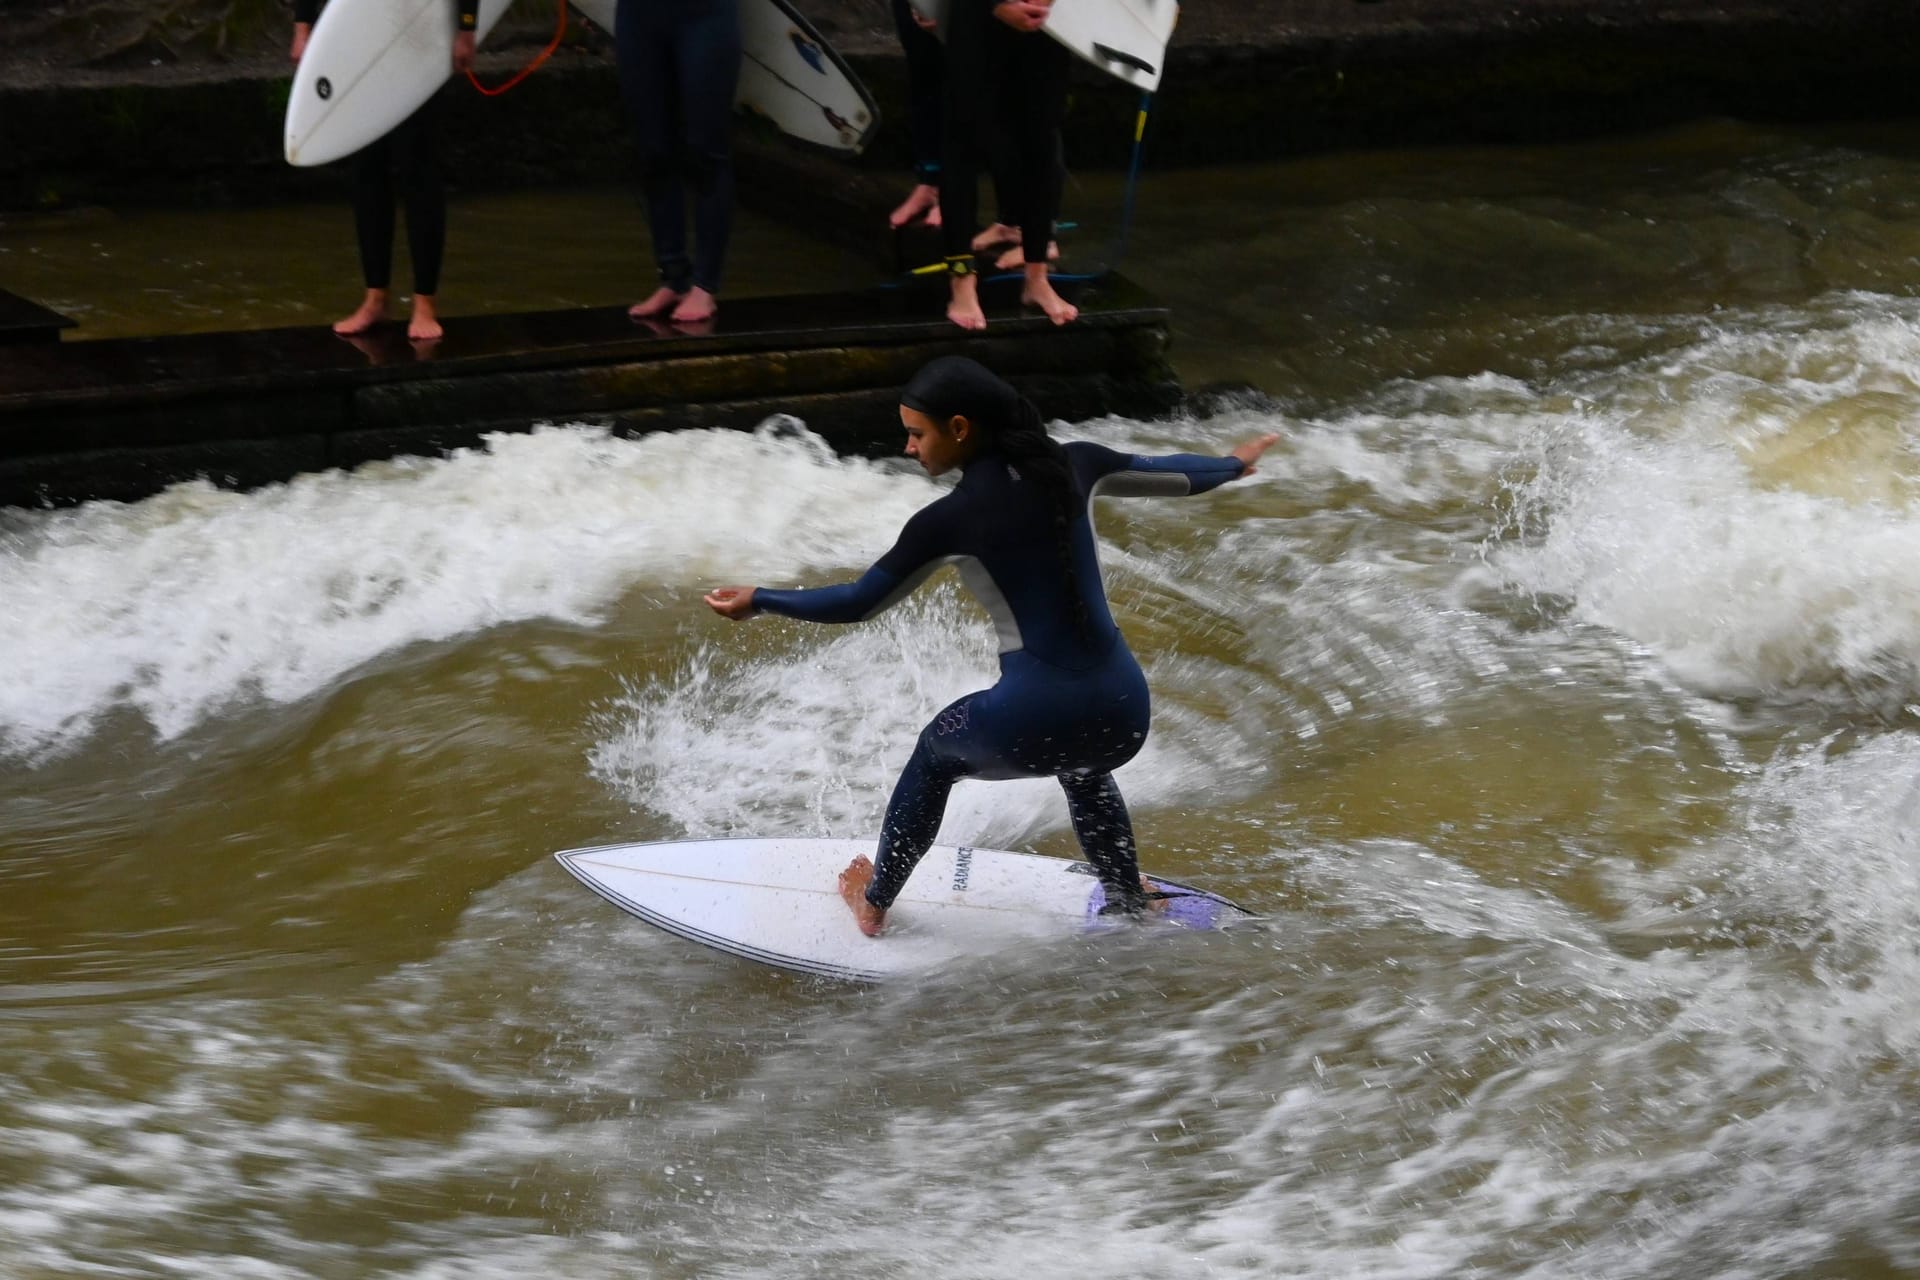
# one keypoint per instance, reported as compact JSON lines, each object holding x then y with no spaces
{"x":200,"y":599}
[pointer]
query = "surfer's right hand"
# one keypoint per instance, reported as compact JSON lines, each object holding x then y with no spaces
{"x":735,"y":603}
{"x":301,"y":30}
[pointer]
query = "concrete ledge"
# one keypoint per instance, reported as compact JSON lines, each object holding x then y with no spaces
{"x":121,"y":419}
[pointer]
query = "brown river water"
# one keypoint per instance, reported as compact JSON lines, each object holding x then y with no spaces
{"x":1553,"y":689}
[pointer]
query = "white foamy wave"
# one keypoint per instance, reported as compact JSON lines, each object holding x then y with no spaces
{"x":1744,"y":508}
{"x":200,"y":598}
{"x":1413,"y":446}
{"x":813,"y":738}
{"x":1743,"y":590}
{"x":1820,"y":864}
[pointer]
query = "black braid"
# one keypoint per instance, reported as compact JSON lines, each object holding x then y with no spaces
{"x":1039,"y":459}
{"x":954,"y":385}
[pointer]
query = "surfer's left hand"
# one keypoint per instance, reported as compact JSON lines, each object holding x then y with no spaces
{"x":1023,"y":15}
{"x":463,"y":43}
{"x":1249,"y":452}
{"x":731,"y":602}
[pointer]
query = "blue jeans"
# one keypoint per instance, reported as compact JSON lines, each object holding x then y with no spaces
{"x":679,"y":65}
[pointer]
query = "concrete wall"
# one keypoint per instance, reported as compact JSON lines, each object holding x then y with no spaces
{"x":1257,"y":79}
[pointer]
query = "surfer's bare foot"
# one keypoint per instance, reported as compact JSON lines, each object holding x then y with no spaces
{"x":1149,"y":888}
{"x":657,"y":303}
{"x":963,"y":306}
{"x":853,"y":889}
{"x":1016,"y":258}
{"x":698,"y":305}
{"x":371,"y":311}
{"x":1038,"y":292}
{"x":922,"y":202}
{"x":995,"y":236}
{"x":424,"y":326}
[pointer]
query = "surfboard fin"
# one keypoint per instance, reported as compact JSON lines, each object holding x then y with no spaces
{"x":1125,"y":59}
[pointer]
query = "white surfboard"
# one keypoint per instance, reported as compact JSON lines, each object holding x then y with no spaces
{"x":369,"y":65}
{"x":372,"y":63}
{"x":1124,"y":38}
{"x":775,"y":901}
{"x":789,"y":75}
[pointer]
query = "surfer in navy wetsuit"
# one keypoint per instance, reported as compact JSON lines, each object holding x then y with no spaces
{"x":1071,"y":702}
{"x":413,"y":149}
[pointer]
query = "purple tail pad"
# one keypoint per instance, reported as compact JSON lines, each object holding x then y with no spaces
{"x":1188,"y":908}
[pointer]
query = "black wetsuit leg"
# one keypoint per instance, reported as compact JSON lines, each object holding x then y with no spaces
{"x":416,"y":157}
{"x":1030,"y":90}
{"x":679,"y":63}
{"x":926,"y":91}
{"x":1105,"y":831}
{"x":968,"y":102}
{"x":410,"y":154}
{"x":1038,"y":721}
{"x":373,"y":211}
{"x":708,"y":50}
{"x":643,"y":44}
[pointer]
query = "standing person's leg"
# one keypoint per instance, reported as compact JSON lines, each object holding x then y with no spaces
{"x":1003,"y":153}
{"x":926,"y":92}
{"x":644,"y":49}
{"x":708,"y":60}
{"x":373,"y":230}
{"x":1036,"y":108}
{"x":968,"y":88}
{"x":1005,"y":228}
{"x":416,"y":151}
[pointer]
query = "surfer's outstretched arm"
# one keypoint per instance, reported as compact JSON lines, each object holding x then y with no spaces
{"x":856,"y":601}
{"x":1110,"y":473}
{"x":919,"y":550}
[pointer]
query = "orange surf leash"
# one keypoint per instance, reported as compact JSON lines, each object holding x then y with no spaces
{"x":559,"y":31}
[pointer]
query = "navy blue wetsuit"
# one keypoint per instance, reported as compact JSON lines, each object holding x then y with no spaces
{"x":1071,"y":701}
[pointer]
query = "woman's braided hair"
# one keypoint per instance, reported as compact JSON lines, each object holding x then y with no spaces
{"x":1012,"y":426}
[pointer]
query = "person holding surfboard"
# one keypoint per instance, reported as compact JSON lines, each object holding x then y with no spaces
{"x":998,"y":59}
{"x":679,"y":65}
{"x":926,"y":61}
{"x":412,"y":150}
{"x":1071,"y":702}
